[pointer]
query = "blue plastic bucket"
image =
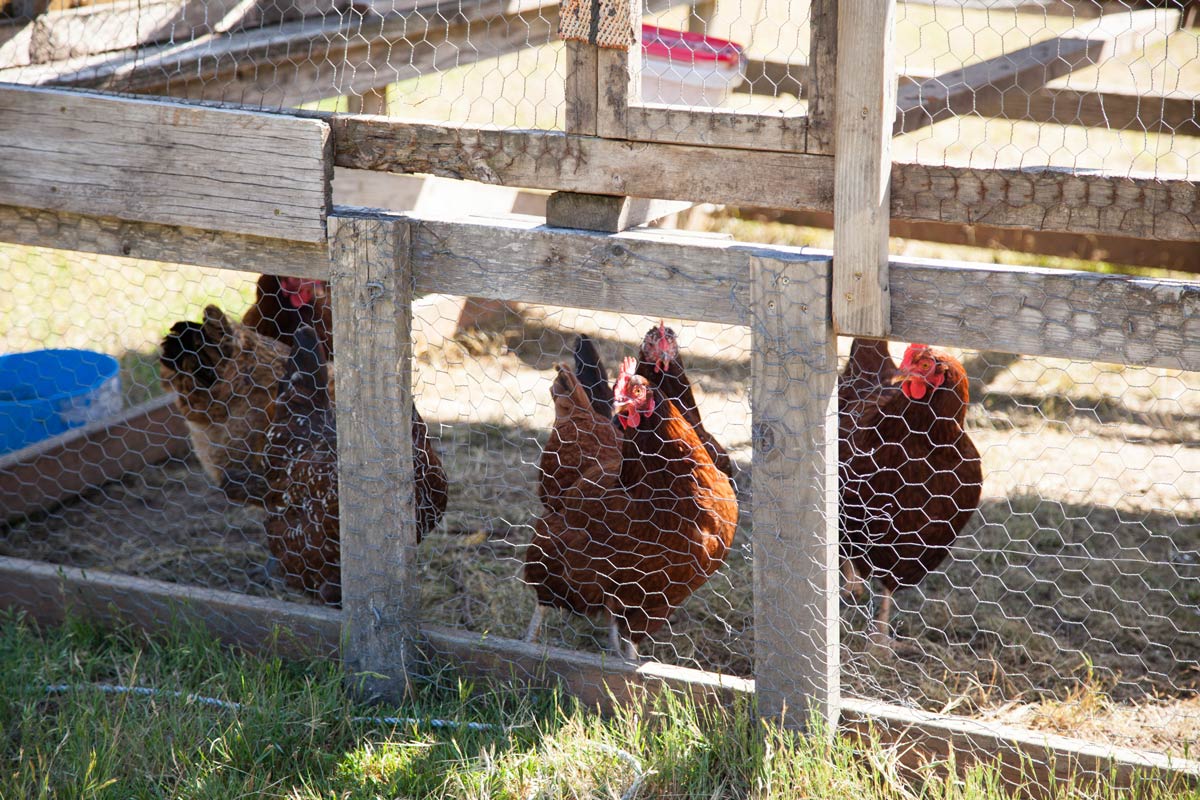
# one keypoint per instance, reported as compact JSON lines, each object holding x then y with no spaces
{"x":46,"y":392}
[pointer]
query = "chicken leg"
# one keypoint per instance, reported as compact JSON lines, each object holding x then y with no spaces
{"x":879,"y":631}
{"x":534,"y":631}
{"x":624,"y":648}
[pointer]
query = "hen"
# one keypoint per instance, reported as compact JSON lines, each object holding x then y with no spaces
{"x":225,"y":378}
{"x":660,"y":364}
{"x":302,"y":473}
{"x":911,"y":477}
{"x":634,"y":541}
{"x":583,"y":440}
{"x":283,"y":304}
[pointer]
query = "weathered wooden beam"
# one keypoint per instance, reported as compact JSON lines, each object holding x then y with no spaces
{"x":371,"y":282}
{"x":1172,"y":255}
{"x":619,"y":74}
{"x":606,"y":213}
{"x":64,"y":230}
{"x":342,"y":54}
{"x":1049,"y":200}
{"x":865,"y":92}
{"x":72,"y":32}
{"x":715,"y":127}
{"x":51,"y":592}
{"x":580,"y":87}
{"x":156,"y":162}
{"x":1026,"y":310}
{"x":1050,"y":312}
{"x":797,"y":666}
{"x":565,"y":162}
{"x":41,"y":476}
{"x":1110,"y":108}
{"x":820,"y":81}
{"x":986,"y":85}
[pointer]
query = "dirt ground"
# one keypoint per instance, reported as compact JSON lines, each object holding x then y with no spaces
{"x":1071,"y":603}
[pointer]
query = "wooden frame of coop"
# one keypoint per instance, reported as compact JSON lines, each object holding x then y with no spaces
{"x":796,"y":303}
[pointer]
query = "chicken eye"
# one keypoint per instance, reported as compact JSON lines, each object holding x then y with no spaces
{"x":926,"y":365}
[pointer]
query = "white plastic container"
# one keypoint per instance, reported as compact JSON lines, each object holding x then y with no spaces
{"x":688,"y":69}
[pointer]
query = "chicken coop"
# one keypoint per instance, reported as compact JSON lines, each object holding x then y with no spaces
{"x":317,"y":314}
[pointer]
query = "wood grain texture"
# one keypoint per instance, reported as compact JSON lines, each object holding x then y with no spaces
{"x":697,"y":277}
{"x":75,"y":31}
{"x":371,"y":282}
{"x":820,"y":82}
{"x":620,"y":78}
{"x":793,"y":395}
{"x":168,"y":243}
{"x":1173,"y":255}
{"x":559,"y":161}
{"x":48,"y":592}
{"x":1110,"y":108}
{"x":41,"y":476}
{"x":606,"y":213}
{"x":1048,"y":200}
{"x":715,"y":128}
{"x":985,"y":87}
{"x":1117,"y":319}
{"x":160,"y":162}
{"x":865,"y":98}
{"x":580,"y":87}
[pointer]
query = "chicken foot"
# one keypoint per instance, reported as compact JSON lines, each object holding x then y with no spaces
{"x":624,"y":648}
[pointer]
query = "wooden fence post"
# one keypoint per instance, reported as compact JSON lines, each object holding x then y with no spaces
{"x":371,"y":285}
{"x":793,"y":396}
{"x":819,"y":83}
{"x":865,"y":111}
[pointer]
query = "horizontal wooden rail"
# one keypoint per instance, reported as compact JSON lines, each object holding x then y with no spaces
{"x":1032,"y":311}
{"x":1046,"y":199}
{"x":48,"y":593}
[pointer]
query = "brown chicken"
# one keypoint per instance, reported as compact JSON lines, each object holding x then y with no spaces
{"x":583,"y":441}
{"x":225,"y":378}
{"x":302,"y":473}
{"x":283,"y":304}
{"x":660,"y":364}
{"x":632,"y":543}
{"x":910,"y":475}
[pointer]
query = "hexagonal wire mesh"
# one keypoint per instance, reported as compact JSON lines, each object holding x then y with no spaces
{"x":1049,"y":85}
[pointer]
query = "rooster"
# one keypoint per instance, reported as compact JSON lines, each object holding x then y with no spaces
{"x":282,"y":304}
{"x":632,"y":543}
{"x":911,"y":477}
{"x":225,"y":378}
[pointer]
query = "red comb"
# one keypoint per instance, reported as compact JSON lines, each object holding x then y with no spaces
{"x":629,"y":365}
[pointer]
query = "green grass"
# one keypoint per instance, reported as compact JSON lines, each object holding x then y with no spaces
{"x":295,"y":736}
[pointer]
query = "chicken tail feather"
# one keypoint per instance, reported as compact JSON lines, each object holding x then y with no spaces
{"x":592,"y":376}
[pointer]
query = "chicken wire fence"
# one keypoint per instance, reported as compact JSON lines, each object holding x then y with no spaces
{"x":1063,"y":598}
{"x":1081,"y":86}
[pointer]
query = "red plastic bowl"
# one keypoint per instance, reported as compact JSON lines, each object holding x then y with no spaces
{"x":687,"y":48}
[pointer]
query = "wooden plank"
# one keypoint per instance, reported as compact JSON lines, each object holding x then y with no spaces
{"x":1111,"y":108}
{"x":821,"y":86}
{"x":1050,"y":312}
{"x":619,"y":73}
{"x":715,"y":127}
{"x":156,"y":162}
{"x":342,"y":54}
{"x":1032,"y":760}
{"x":1049,"y":200}
{"x":581,"y":88}
{"x":865,"y":92}
{"x":793,"y":395}
{"x":553,"y":160}
{"x":1178,"y":256}
{"x":1078,"y":315}
{"x":986,"y":85}
{"x":770,"y":78}
{"x":606,"y":213}
{"x":371,"y":282}
{"x":176,"y":245}
{"x":55,"y":470}
{"x":48,"y":592}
